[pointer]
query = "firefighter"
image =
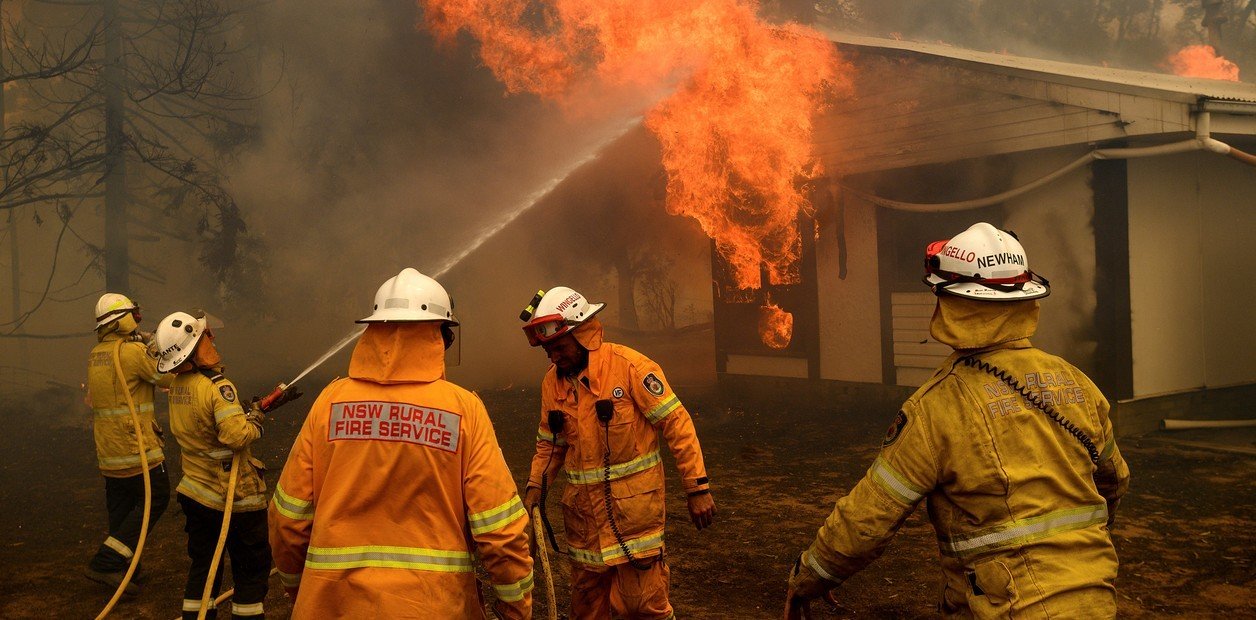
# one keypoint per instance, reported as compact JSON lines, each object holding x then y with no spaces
{"x":211,"y":426}
{"x":1011,"y":447}
{"x":610,"y":403}
{"x":396,"y":481}
{"x":117,"y":450}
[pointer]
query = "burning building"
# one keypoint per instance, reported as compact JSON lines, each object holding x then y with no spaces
{"x":1104,"y":173}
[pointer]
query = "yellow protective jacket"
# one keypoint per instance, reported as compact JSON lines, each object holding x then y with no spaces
{"x":117,"y":451}
{"x":1020,"y":512}
{"x":211,"y":426}
{"x":644,"y":406}
{"x":394,"y":484}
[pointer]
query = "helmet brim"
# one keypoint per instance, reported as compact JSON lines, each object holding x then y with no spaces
{"x":112,"y":316}
{"x":404,"y":315}
{"x":981,"y":292}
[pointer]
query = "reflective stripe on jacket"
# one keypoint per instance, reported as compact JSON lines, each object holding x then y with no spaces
{"x":210,"y":426}
{"x":644,"y":407}
{"x":394,"y":483}
{"x":117,"y":451}
{"x":1006,"y":487}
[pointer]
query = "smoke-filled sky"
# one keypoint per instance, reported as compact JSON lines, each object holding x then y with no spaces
{"x":376,"y":149}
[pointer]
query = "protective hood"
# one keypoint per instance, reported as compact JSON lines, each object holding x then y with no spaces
{"x":970,"y":324}
{"x":399,"y":353}
{"x":124,"y":326}
{"x":589,"y":334}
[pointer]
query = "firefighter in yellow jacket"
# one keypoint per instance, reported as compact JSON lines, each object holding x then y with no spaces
{"x":211,"y":426}
{"x":1011,"y":448}
{"x":117,"y":448}
{"x":396,"y":482}
{"x":603,"y":406}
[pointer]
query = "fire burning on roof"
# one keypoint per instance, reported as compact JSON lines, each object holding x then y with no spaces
{"x":736,"y":128}
{"x":1202,"y":61}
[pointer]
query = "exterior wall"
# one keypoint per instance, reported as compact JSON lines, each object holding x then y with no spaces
{"x":849,"y":300}
{"x":1190,"y":226}
{"x":1054,"y":224}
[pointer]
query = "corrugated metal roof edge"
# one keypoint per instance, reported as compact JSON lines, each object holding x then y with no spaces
{"x":1171,"y":87}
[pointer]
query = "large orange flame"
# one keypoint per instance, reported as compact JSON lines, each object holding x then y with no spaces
{"x":776,"y":326}
{"x":1202,"y":61}
{"x":736,"y":127}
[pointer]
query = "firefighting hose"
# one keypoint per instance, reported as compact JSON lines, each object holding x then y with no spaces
{"x":265,"y":404}
{"x":541,"y":553}
{"x":148,"y":483}
{"x":207,"y":595}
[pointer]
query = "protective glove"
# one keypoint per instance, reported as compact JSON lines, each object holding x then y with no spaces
{"x":805,"y":585}
{"x":288,"y":395}
{"x":255,"y":414}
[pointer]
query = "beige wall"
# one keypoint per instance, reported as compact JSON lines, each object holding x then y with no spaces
{"x":1054,"y":224}
{"x":1191,"y":221}
{"x":850,"y":309}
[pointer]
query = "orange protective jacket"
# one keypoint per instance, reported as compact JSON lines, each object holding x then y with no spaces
{"x":1020,"y":511}
{"x":644,"y":406}
{"x":394,"y":482}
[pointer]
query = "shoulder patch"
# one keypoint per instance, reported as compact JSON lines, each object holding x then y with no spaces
{"x":228,"y":393}
{"x":653,"y":384}
{"x":896,"y":429}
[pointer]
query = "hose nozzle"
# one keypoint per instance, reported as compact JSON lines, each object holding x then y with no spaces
{"x":270,"y":399}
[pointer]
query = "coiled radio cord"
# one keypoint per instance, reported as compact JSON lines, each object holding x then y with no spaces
{"x":604,"y":413}
{"x":1037,"y":401}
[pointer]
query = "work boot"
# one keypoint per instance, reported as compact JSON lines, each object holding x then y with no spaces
{"x":113,"y":580}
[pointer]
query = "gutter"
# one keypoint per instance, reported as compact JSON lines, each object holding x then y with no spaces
{"x":1203,"y":141}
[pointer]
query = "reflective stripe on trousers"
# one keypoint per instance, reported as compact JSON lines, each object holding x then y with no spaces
{"x":379,"y":556}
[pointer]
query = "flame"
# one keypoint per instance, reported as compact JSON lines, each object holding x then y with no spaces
{"x":735,"y":129}
{"x":1202,"y":61}
{"x":776,"y":326}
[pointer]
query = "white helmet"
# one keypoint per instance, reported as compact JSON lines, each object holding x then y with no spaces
{"x":110,"y":306}
{"x":176,"y":339}
{"x":411,"y":297}
{"x":983,"y":263}
{"x":554,"y":313}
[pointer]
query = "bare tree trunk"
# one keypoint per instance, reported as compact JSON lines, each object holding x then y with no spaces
{"x":627,"y":293}
{"x":117,"y":252}
{"x":14,"y":254}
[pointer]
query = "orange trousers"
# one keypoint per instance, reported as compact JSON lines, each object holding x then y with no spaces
{"x":621,"y":592}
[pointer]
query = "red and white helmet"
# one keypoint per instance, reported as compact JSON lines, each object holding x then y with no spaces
{"x":556,"y":312}
{"x":983,"y":263}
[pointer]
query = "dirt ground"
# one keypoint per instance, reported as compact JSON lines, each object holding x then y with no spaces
{"x":1184,"y":533}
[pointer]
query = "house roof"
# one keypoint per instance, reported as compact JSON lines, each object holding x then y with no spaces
{"x":922,"y":103}
{"x":1171,"y":87}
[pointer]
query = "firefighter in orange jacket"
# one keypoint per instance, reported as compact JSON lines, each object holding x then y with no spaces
{"x":396,"y":482}
{"x":1011,"y":447}
{"x":603,"y":406}
{"x":117,"y":448}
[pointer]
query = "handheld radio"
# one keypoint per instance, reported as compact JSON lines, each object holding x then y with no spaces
{"x":605,"y":409}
